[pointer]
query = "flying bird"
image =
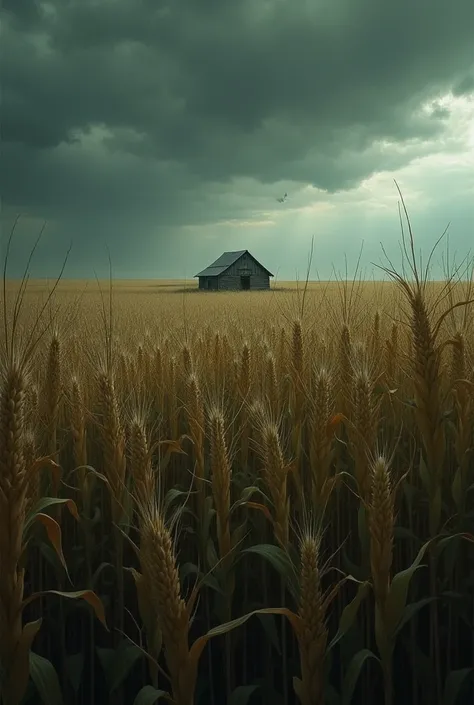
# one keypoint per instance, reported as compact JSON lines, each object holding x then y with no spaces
{"x":283,"y":199}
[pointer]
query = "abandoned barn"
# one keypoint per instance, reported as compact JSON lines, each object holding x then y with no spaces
{"x":234,"y":271}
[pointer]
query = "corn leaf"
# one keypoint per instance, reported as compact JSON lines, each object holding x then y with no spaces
{"x":47,"y":461}
{"x":87,"y":595}
{"x":54,"y":533}
{"x":411,"y":610}
{"x":241,"y":695}
{"x":46,"y":502}
{"x":261,"y":508}
{"x":269,"y":626}
{"x":349,"y":615}
{"x":331,"y":696}
{"x":149,"y":695}
{"x":422,"y":668}
{"x":200,"y":643}
{"x":454,"y":684}
{"x":298,"y":687}
{"x":247,"y":494}
{"x":359,"y":571}
{"x":171,"y":496}
{"x":45,"y":678}
{"x":117,"y":663}
{"x":211,"y":554}
{"x":279,"y":560}
{"x":352,"y":674}
{"x":75,"y":669}
{"x":397,"y":597}
{"x":98,"y":571}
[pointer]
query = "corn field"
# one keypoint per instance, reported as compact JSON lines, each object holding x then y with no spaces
{"x":261,"y":498}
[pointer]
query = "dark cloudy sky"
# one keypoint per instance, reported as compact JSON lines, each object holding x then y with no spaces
{"x":167,"y":129}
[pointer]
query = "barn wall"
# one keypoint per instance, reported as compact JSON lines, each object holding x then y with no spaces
{"x":260,"y":281}
{"x":205,"y":281}
{"x":231,"y":282}
{"x":230,"y":279}
{"x":244,"y":262}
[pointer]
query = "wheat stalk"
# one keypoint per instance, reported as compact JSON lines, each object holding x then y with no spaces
{"x":13,"y":502}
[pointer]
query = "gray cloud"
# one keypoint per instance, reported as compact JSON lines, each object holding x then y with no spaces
{"x":194,"y":98}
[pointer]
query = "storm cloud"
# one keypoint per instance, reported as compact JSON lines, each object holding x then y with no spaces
{"x":160,"y":126}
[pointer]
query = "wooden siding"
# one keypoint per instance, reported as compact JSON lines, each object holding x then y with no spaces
{"x":247,"y":263}
{"x":244,"y":266}
{"x":230,"y":280}
{"x":208,"y":283}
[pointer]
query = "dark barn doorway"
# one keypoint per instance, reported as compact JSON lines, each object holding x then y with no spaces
{"x":245,"y":283}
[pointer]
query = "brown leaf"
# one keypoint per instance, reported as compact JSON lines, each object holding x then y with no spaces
{"x":88,"y":596}
{"x":71,"y":505}
{"x":47,"y":461}
{"x":174,"y":446}
{"x":54,"y":534}
{"x":261,"y":507}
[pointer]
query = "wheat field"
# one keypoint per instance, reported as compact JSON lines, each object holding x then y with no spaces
{"x":231,"y":498}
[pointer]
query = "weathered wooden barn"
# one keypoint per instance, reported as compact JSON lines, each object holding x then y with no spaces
{"x":235,"y":271}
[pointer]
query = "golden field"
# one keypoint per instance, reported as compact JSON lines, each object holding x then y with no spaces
{"x":252,"y":497}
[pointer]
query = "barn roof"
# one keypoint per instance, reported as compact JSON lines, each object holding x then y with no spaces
{"x":225,"y":261}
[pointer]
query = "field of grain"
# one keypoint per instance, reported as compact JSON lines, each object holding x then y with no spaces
{"x":261,"y":498}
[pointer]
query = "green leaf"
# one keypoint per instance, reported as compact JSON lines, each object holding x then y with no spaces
{"x":238,"y":534}
{"x":401,"y":532}
{"x":410,"y":493}
{"x":212,"y":558}
{"x":200,"y":643}
{"x":397,"y":597}
{"x":46,"y":680}
{"x":99,"y":570}
{"x":171,"y":496}
{"x":75,"y":669}
{"x":45,"y":503}
{"x":422,"y":668}
{"x":331,"y":696}
{"x":443,"y":543}
{"x":269,"y":626}
{"x":149,"y":695}
{"x":186,"y":570}
{"x":352,"y":674}
{"x":248,"y":492}
{"x":278,"y":559}
{"x":117,"y":663}
{"x":411,"y":610}
{"x":349,"y":614}
{"x":454,"y":684}
{"x":241,"y":695}
{"x":360,"y":572}
{"x":246,"y":495}
{"x":425,"y":476}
